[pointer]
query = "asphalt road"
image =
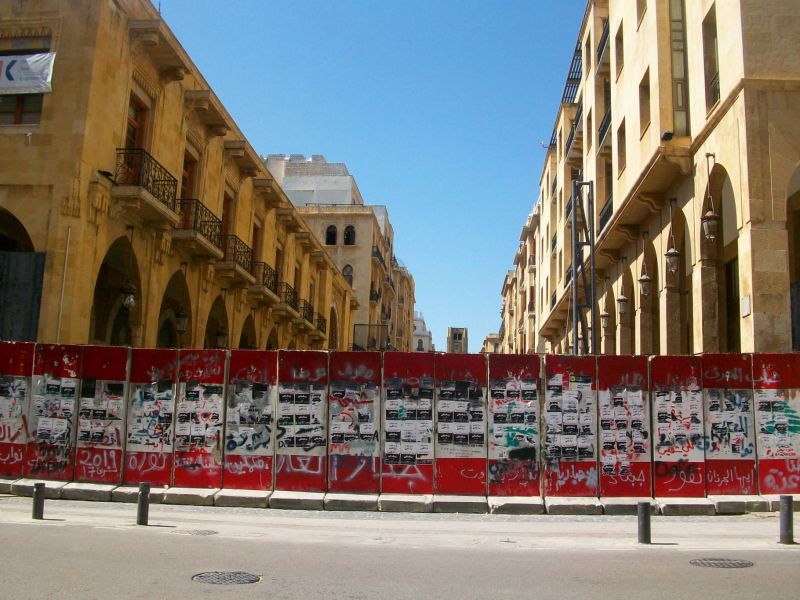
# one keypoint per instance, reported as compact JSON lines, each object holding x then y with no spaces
{"x":87,"y":550}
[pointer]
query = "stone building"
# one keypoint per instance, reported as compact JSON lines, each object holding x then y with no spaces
{"x":423,"y":337}
{"x":133,"y":210}
{"x":457,"y":340}
{"x":492,"y":343}
{"x":682,"y":119}
{"x":359,"y":238}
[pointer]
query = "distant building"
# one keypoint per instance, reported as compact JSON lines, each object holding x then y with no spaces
{"x":359,"y":238}
{"x":423,"y":338}
{"x":457,"y":340}
{"x":492,"y":343}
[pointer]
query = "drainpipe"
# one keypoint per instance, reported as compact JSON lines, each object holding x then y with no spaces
{"x":63,"y":284}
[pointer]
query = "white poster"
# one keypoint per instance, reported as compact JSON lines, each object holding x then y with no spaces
{"x":26,"y":73}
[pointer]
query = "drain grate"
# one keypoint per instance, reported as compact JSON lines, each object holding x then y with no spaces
{"x":721,"y":563}
{"x":195,"y":532}
{"x":226,"y":578}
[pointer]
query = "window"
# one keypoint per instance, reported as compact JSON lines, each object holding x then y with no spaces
{"x":188,"y":174}
{"x":621,"y":148}
{"x":279,"y":262}
{"x":348,"y":274}
{"x":619,"y":50}
{"x":137,"y":121}
{"x":330,"y":235}
{"x":710,"y":58}
{"x":228,"y":212}
{"x":644,"y":103}
{"x":20,"y":109}
{"x":256,"y":241}
{"x":419,"y":346}
{"x":349,"y":235}
{"x":589,"y":130}
{"x":587,"y":54}
{"x":641,"y":8}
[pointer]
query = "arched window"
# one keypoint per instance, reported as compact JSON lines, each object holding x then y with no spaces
{"x":348,"y":274}
{"x":330,"y":236}
{"x":420,"y":347}
{"x":349,"y":235}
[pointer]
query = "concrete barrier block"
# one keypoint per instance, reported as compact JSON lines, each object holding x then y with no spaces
{"x":5,"y":485}
{"x":415,"y":503}
{"x":24,"y":487}
{"x":338,"y":501}
{"x":445,"y":503}
{"x":516,"y":505}
{"x":130,"y":493}
{"x":95,"y":492}
{"x":190,"y":496}
{"x":297,"y":500}
{"x":737,"y":505}
{"x":626,"y":505}
{"x":774,"y":501}
{"x":685,"y":507}
{"x":573,"y":505}
{"x":242,"y":498}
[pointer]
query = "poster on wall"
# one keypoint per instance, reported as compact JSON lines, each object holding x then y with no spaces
{"x":16,"y":366}
{"x":514,"y":384}
{"x":250,"y":419}
{"x":51,"y":423}
{"x":776,"y":379}
{"x":678,"y":441}
{"x":460,"y":448}
{"x":730,"y":440}
{"x":354,"y":422}
{"x":199,"y":413}
{"x":624,"y":438}
{"x":302,"y":417}
{"x":151,"y":410}
{"x":408,"y":390}
{"x":101,"y":414}
{"x":570,"y":434}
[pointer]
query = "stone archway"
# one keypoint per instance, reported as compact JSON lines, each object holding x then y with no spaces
{"x":217,"y":326}
{"x":679,"y":311}
{"x":333,"y":329}
{"x":175,"y":313}
{"x":247,"y":339}
{"x":21,"y":281}
{"x":13,"y":235}
{"x":625,"y":340}
{"x":272,"y":339}
{"x":609,"y":332}
{"x":116,"y":300}
{"x":648,"y":313}
{"x":793,"y":226}
{"x":719,"y":268}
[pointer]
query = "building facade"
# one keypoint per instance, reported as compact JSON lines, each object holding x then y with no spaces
{"x":423,"y":338}
{"x":141,"y":209}
{"x":492,"y":344}
{"x":457,"y":340}
{"x":359,"y":238}
{"x":682,"y":119}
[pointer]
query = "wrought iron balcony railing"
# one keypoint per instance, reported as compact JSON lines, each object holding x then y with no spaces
{"x":606,"y":212}
{"x":266,"y":276}
{"x":575,"y":129}
{"x":374,"y":295}
{"x":135,"y":166}
{"x":552,"y":301}
{"x":306,"y":309}
{"x":554,"y":242}
{"x":287,"y":294}
{"x":236,"y":251}
{"x":322,"y":323}
{"x":712,"y":90}
{"x":376,"y":253}
{"x":568,"y":275}
{"x":605,"y":125}
{"x":197,"y":217}
{"x":602,"y":46}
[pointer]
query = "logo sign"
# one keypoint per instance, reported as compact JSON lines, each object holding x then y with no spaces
{"x":27,"y":73}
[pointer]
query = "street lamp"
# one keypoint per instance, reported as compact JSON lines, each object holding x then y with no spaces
{"x":710,"y":220}
{"x":622,"y":304}
{"x":222,"y":338}
{"x":673,"y":255}
{"x":181,"y":321}
{"x":604,"y":319}
{"x":128,"y":295}
{"x":645,"y":281}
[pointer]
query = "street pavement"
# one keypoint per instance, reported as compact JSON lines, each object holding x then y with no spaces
{"x":95,"y":550}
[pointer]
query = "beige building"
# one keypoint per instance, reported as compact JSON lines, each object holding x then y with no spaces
{"x":492,"y":344}
{"x":683,"y":117}
{"x":457,"y":340}
{"x":139,"y":206}
{"x":423,"y":337}
{"x":359,"y":238}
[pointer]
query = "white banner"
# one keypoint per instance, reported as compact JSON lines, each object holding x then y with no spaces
{"x":26,"y":73}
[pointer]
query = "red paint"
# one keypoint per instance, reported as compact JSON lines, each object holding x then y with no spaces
{"x":16,"y":360}
{"x":731,"y":371}
{"x":461,"y":476}
{"x":779,"y":476}
{"x":99,"y":465}
{"x":571,"y":479}
{"x":197,"y":468}
{"x":736,"y":477}
{"x":410,"y":368}
{"x":626,"y":372}
{"x":149,"y":365}
{"x":679,"y":479}
{"x":354,"y":474}
{"x":298,"y":469}
{"x":109,"y":363}
{"x":776,"y":371}
{"x":510,"y":476}
{"x":243,"y":470}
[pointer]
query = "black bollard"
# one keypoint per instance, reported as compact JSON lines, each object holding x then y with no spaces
{"x":143,"y":504}
{"x":38,"y":501}
{"x":643,"y":511}
{"x":787,"y":520}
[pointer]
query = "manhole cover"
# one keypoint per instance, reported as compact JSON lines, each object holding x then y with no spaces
{"x":226,"y":577}
{"x":195,"y":531}
{"x":721,"y":563}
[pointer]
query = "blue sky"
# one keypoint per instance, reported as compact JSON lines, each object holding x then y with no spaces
{"x":437,"y":108}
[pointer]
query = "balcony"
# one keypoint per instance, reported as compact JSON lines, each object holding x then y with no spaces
{"x":144,"y":190}
{"x":568,"y":210}
{"x":604,"y":141}
{"x":377,"y":255}
{"x":265,"y":289}
{"x":374,"y":295}
{"x":605,"y":213}
{"x":287,"y":306}
{"x":554,"y":243}
{"x":198,"y":230}
{"x":568,"y":276}
{"x":322,"y":324}
{"x":553,"y":188}
{"x":305,"y":318}
{"x":237,"y":261}
{"x":603,"y":53}
{"x":574,"y":140}
{"x":712,"y":91}
{"x":552,"y":301}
